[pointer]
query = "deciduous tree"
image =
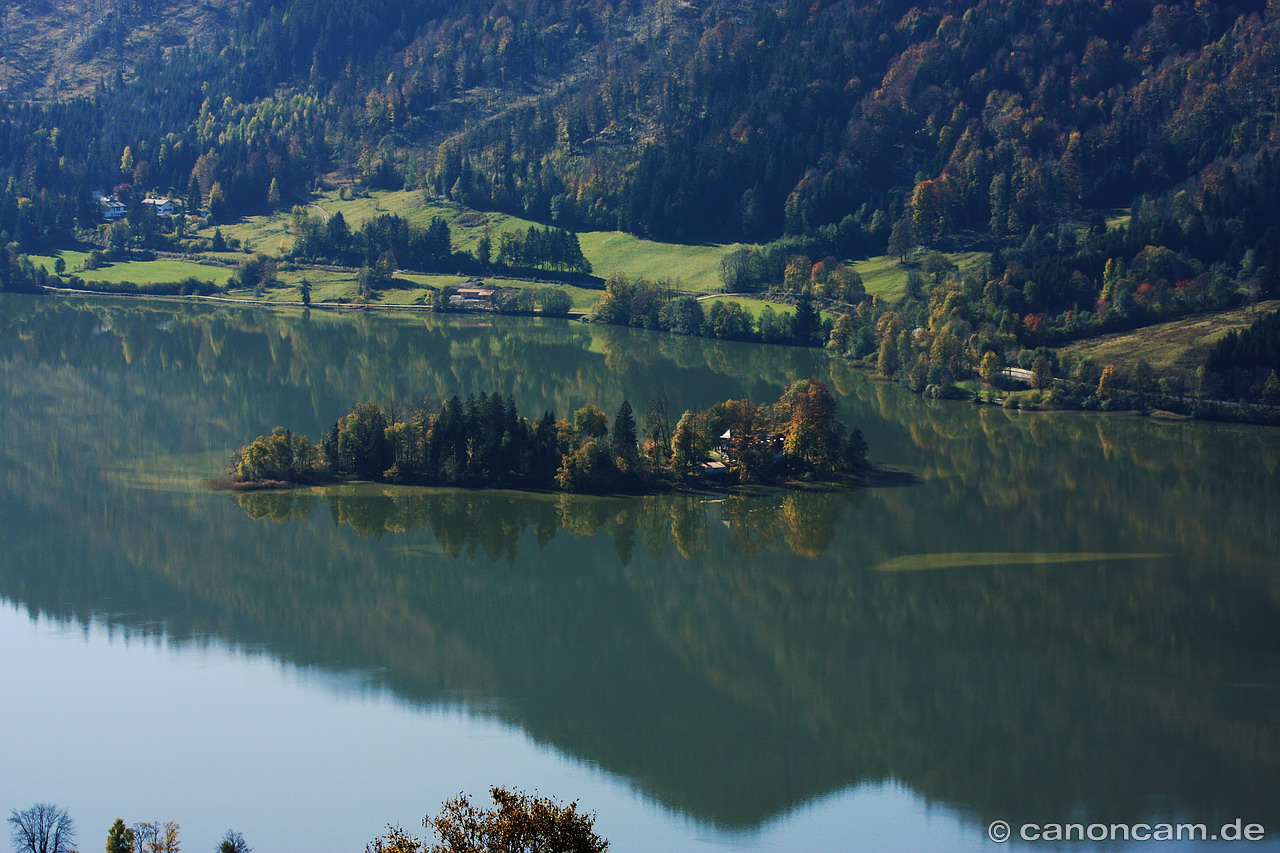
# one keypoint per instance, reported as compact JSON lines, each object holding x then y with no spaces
{"x":42,"y":828}
{"x":1106,"y":383}
{"x":989,"y":367}
{"x":157,"y":837}
{"x":396,"y":840}
{"x":233,"y":842}
{"x":516,"y":824}
{"x":688,"y":443}
{"x":812,"y":432}
{"x":555,"y":301}
{"x":363,"y":448}
{"x":590,"y":422}
{"x":1041,"y":373}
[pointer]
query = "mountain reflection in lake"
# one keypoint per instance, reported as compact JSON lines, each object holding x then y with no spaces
{"x":1068,"y":617}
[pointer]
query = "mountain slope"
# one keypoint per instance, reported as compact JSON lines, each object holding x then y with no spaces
{"x":51,"y":50}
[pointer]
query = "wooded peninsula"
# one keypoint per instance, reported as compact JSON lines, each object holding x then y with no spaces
{"x":484,"y":442}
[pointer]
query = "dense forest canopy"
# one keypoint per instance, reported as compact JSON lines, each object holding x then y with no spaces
{"x":725,"y":120}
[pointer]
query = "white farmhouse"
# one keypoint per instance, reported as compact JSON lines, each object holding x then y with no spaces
{"x":111,"y":208}
{"x":163,"y":206}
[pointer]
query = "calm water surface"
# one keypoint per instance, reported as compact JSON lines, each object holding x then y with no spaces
{"x":1056,"y":618}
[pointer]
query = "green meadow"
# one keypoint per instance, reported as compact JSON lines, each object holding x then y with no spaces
{"x":272,"y":234}
{"x":160,"y":271}
{"x":885,"y":277}
{"x":1180,"y":344}
{"x":694,"y":268}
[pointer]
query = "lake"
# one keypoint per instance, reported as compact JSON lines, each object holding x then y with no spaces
{"x":1048,"y":618}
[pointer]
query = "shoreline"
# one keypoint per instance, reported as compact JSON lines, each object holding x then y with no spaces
{"x":1167,"y":415}
{"x":319,"y":306}
{"x":875,"y":476}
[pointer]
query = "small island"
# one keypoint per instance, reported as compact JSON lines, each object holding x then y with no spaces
{"x":484,"y":442}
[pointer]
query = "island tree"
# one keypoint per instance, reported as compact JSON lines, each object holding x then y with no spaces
{"x":485,"y":442}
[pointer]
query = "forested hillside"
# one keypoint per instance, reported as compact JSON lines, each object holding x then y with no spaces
{"x":1120,"y":157}
{"x":727,"y":120}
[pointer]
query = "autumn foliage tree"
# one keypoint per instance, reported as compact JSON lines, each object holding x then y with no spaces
{"x":157,"y":837}
{"x":283,"y":455}
{"x":484,"y":442}
{"x":1106,"y":383}
{"x":688,"y":443}
{"x":990,"y":366}
{"x":812,"y":433}
{"x":517,"y":823}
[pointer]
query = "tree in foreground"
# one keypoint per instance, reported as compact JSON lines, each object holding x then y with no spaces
{"x":120,"y":838}
{"x":395,"y":841}
{"x":518,"y":823}
{"x":233,"y":842}
{"x":157,"y":837}
{"x":42,"y":828}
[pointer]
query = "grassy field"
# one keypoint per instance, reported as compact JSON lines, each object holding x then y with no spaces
{"x":272,"y":235}
{"x":752,"y":305}
{"x":326,"y":285}
{"x":71,"y":258}
{"x":1180,"y":344}
{"x":1117,"y":220}
{"x":755,"y":306}
{"x":883,"y":275}
{"x":141,"y":272}
{"x":696,"y":267}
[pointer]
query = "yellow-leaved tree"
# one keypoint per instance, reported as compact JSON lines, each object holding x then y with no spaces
{"x":516,"y":823}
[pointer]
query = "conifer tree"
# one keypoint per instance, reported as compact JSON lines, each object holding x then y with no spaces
{"x":120,"y":838}
{"x":623,"y":437}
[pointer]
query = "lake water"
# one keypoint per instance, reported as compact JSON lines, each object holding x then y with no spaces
{"x":1050,"y":619}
